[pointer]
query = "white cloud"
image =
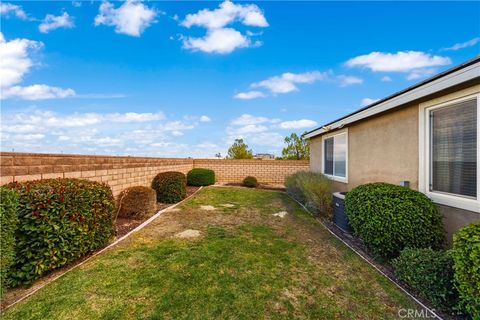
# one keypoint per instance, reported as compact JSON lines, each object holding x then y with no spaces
{"x":227,"y":13}
{"x":221,"y":41}
{"x":15,"y":61}
{"x":297,"y":124}
{"x":386,"y":79}
{"x":131,"y":18}
{"x":248,"y":119}
{"x":466,"y":44}
{"x":421,"y":73}
{"x":367,"y":101}
{"x":51,"y":22}
{"x":77,"y":4}
{"x":287,"y":81}
{"x":249,"y":95}
{"x":205,"y":118}
{"x":36,"y":92}
{"x":402,"y":61}
{"x":134,"y":117}
{"x":8,"y":8}
{"x":349,"y":80}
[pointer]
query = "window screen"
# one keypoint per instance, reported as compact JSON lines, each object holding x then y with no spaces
{"x":453,"y":136}
{"x":340,"y":152}
{"x":328,"y":156}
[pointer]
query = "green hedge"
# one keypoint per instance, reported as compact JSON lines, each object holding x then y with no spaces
{"x":466,"y":257}
{"x":170,"y":186}
{"x":200,"y":177}
{"x":59,"y":221}
{"x":429,"y":272}
{"x":250,"y":182}
{"x":8,"y":225}
{"x":390,"y":218}
{"x":312,"y":189}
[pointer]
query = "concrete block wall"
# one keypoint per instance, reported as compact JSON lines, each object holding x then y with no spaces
{"x":123,"y":172}
{"x":266,"y":171}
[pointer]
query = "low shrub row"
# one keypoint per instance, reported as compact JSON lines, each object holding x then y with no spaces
{"x":250,"y":182}
{"x":8,"y":225}
{"x":389,"y":218}
{"x":404,"y":226}
{"x":312,"y":189}
{"x":58,"y":221}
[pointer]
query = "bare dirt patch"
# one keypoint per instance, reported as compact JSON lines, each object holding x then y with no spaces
{"x":189,"y":233}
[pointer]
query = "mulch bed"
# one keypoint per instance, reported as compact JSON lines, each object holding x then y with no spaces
{"x":125,"y":225}
{"x":260,"y":186}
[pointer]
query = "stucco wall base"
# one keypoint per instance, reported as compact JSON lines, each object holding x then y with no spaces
{"x":454,"y":219}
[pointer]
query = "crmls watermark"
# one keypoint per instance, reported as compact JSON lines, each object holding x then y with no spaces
{"x":415,"y":314}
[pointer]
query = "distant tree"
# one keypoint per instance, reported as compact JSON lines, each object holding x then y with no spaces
{"x":218,"y":155}
{"x":239,"y":150}
{"x":296,"y":148}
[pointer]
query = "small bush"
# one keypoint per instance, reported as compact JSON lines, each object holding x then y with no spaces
{"x":59,"y":221}
{"x":312,"y":189}
{"x":466,"y":266}
{"x":200,"y":177}
{"x":8,"y":225}
{"x":429,"y":272}
{"x":170,"y":186}
{"x":250,"y":182}
{"x":390,"y":218}
{"x":137,"y":202}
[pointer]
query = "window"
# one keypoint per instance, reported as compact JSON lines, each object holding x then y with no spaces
{"x":451,"y":153}
{"x":335,"y":156}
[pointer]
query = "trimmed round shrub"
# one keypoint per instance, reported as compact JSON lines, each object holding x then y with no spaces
{"x":60,"y":220}
{"x":8,"y":225}
{"x":250,"y":182}
{"x":170,"y":186}
{"x":466,"y":266}
{"x":429,"y":272}
{"x":200,"y":177}
{"x":137,"y":202}
{"x":390,"y":218}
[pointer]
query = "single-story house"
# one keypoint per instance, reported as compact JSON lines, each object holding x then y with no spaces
{"x":426,"y":137}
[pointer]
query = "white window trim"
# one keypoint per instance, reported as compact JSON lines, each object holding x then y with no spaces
{"x":424,"y":158}
{"x":333,"y":177}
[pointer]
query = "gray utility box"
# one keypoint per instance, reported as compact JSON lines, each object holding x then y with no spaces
{"x":340,"y":219}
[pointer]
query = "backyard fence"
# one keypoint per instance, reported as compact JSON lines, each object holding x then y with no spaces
{"x":123,"y":172}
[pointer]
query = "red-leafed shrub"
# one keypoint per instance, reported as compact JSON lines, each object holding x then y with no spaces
{"x":59,"y":221}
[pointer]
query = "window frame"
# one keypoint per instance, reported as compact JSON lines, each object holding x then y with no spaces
{"x":448,"y":199}
{"x":333,"y":176}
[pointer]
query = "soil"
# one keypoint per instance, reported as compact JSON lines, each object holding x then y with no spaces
{"x":260,"y":186}
{"x":125,"y":225}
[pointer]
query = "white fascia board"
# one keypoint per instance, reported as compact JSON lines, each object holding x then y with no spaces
{"x":468,"y":73}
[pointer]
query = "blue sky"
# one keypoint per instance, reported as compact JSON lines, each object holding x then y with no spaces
{"x":179,"y":79}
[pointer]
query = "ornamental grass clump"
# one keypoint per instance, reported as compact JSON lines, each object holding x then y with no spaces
{"x":170,"y":186}
{"x":200,"y":177}
{"x":137,"y":202}
{"x":60,"y":220}
{"x":312,"y":189}
{"x":390,"y":218}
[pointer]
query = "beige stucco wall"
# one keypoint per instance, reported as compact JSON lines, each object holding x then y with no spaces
{"x":382,"y":148}
{"x":386,"y":148}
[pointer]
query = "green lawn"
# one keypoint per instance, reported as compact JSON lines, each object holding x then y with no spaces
{"x":246,"y":264}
